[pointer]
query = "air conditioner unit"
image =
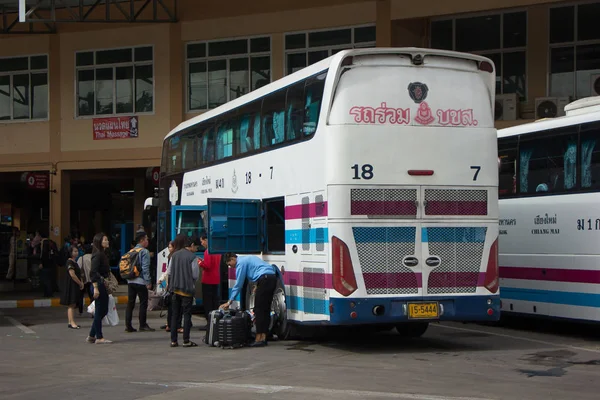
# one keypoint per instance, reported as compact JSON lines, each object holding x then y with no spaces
{"x":550,"y":107}
{"x":595,"y":85}
{"x":506,"y":107}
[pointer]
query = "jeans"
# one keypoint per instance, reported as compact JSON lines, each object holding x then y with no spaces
{"x":136,"y":290}
{"x":181,"y":305}
{"x":210,"y":298}
{"x":89,"y":290}
{"x":100,"y":312}
{"x":265,"y":288}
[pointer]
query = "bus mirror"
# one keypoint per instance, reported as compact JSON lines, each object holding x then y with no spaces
{"x":150,"y":202}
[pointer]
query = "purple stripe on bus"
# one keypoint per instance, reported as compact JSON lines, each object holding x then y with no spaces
{"x":383,"y":208}
{"x":456,"y":207}
{"x":311,"y":210}
{"x":392,"y":280}
{"x":308,"y":279}
{"x":551,"y":274}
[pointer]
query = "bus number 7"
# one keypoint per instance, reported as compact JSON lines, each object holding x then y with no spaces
{"x":477,"y":168}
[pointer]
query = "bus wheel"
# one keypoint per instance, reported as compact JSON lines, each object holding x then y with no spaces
{"x":414,"y":330}
{"x":282,"y":328}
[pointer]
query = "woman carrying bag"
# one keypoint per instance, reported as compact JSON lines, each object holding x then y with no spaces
{"x":99,"y":273}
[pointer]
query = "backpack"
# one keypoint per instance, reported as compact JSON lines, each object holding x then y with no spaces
{"x":129,"y":267}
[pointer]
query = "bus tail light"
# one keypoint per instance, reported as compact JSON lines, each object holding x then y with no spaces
{"x":492,"y":274}
{"x":486,"y":66}
{"x":344,"y":281}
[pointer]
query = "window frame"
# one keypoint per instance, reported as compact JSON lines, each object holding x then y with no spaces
{"x":572,"y":44}
{"x":501,"y":50}
{"x":235,"y":113}
{"x":207,"y":58}
{"x":530,"y":136}
{"x":28,"y":71}
{"x":307,"y":48}
{"x":114,"y":66}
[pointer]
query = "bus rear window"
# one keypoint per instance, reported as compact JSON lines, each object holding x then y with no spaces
{"x":397,"y":95}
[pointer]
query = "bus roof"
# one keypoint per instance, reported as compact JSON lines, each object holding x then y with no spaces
{"x":332,"y":61}
{"x":577,"y":112}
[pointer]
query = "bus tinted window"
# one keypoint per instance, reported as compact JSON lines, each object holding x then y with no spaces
{"x":507,"y":155}
{"x":548,"y":163}
{"x":590,"y":155}
{"x":285,"y":116}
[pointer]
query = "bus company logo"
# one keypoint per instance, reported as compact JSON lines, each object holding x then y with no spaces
{"x":234,"y":184}
{"x":424,"y":114}
{"x":173,"y":193}
{"x":417,"y":91}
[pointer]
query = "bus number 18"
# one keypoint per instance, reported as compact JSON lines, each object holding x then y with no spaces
{"x":364,"y":171}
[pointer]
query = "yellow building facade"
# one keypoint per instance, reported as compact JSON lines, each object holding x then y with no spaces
{"x":164,"y":73}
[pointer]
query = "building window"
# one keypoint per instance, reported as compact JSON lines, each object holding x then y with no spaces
{"x":220,"y":71}
{"x":118,"y":81}
{"x":304,"y":49}
{"x":575,"y":51}
{"x":24,"y":88}
{"x":500,"y":37}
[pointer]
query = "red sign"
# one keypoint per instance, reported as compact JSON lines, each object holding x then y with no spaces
{"x":116,"y":128}
{"x":38,"y":181}
{"x":155,"y":175}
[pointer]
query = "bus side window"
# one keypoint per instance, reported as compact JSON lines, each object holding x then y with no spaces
{"x":507,"y":155}
{"x":224,"y":141}
{"x":590,"y":155}
{"x":294,"y":111}
{"x":173,"y":154}
{"x":273,"y":119}
{"x":208,"y":145}
{"x":312,"y":109}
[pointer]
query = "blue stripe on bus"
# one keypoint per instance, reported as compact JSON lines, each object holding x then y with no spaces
{"x":403,"y":234}
{"x":302,"y":304}
{"x":551,"y":296}
{"x":453,"y":235}
{"x":313,"y":235}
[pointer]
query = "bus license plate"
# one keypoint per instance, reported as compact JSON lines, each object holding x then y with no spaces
{"x":423,"y":310}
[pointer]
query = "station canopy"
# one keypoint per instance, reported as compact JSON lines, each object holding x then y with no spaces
{"x":42,"y":16}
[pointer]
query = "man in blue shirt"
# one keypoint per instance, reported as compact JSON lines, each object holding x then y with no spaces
{"x":255,"y":270}
{"x":139,"y":286}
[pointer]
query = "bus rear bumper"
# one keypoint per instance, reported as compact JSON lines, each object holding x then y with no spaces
{"x":359,"y":311}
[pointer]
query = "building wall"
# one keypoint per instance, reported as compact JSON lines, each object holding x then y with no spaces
{"x":65,"y":143}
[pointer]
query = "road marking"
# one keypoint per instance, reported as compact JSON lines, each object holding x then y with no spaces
{"x":263,"y":389}
{"x":519,"y":338}
{"x":20,"y":325}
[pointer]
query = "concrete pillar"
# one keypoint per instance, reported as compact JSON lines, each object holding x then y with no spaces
{"x":56,"y":177}
{"x":177,"y":57}
{"x":139,"y":187}
{"x":383,"y":23}
{"x":60,"y":205}
{"x":277,"y":56}
{"x":537,"y":53}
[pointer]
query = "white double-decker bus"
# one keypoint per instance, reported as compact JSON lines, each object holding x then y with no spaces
{"x":369,"y":178}
{"x":550,"y":215}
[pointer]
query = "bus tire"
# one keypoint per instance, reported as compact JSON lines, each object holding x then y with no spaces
{"x":279,"y":325}
{"x":413,"y":330}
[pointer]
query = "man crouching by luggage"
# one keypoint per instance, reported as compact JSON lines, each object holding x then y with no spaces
{"x":182,"y":282}
{"x":255,"y":270}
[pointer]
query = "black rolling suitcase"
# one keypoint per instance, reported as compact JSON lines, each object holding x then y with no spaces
{"x":234,"y":329}
{"x":212,"y":332}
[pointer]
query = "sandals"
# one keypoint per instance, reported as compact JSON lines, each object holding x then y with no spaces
{"x":189,"y":344}
{"x":90,"y":339}
{"x":103,"y":341}
{"x":73,"y":327}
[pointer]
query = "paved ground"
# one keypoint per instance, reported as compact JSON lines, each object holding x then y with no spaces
{"x":42,"y":359}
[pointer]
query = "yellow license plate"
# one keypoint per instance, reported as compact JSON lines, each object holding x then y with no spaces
{"x":423,"y":310}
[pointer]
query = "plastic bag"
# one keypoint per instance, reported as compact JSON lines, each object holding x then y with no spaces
{"x":112,"y":318}
{"x":92,"y":307}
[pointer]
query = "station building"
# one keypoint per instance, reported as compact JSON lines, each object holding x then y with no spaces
{"x":89,"y":88}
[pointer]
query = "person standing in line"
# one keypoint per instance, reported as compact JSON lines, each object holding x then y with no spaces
{"x":211,"y":278}
{"x":12,"y":254}
{"x":85,"y":263}
{"x":183,"y":274}
{"x":255,"y":270}
{"x":139,"y":286}
{"x":99,"y":272}
{"x":164,"y":278}
{"x":73,"y":289}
